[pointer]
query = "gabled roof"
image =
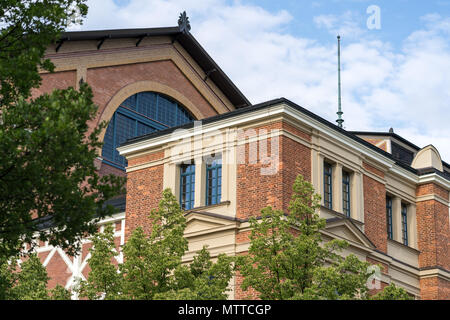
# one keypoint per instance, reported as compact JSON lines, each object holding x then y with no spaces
{"x":184,"y":37}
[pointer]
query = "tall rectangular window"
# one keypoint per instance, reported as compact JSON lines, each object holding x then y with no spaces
{"x":389,"y":217}
{"x":346,"y":192}
{"x":327,"y":185}
{"x":187,"y":186}
{"x":404,"y":224}
{"x":214,"y":182}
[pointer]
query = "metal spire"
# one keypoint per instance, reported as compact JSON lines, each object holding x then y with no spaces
{"x":339,"y":113}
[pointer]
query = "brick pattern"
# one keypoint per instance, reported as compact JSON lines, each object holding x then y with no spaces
{"x":384,"y":266}
{"x":375,"y":212}
{"x":243,"y":237}
{"x":433,"y":239}
{"x":146,"y":158}
{"x":373,"y":170}
{"x":144,"y":189}
{"x":107,"y":81}
{"x":106,"y":169}
{"x":256,"y":191}
{"x":433,"y":234}
{"x":239,"y":294}
{"x":375,"y":291}
{"x":434,"y":288}
{"x":57,"y":80}
{"x":431,"y":188}
{"x":57,"y":269}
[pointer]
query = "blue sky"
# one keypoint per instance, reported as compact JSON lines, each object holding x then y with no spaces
{"x":398,"y":17}
{"x":396,"y":76}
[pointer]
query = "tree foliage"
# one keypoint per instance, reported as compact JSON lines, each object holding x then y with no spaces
{"x":28,"y":281}
{"x":152,"y":267}
{"x":202,"y":279}
{"x":104,"y":280}
{"x":288,"y":260}
{"x":27,"y":28}
{"x":48,"y":180}
{"x":392,"y":292}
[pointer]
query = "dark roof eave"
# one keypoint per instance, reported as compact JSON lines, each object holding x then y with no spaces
{"x":117,"y":33}
{"x":186,"y":39}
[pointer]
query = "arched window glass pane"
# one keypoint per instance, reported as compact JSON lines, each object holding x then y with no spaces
{"x":140,"y":114}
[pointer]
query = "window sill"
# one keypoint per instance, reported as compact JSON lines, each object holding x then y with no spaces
{"x":223,"y":203}
{"x":395,"y":242}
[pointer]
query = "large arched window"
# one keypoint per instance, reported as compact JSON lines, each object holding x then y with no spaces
{"x":142,"y":113}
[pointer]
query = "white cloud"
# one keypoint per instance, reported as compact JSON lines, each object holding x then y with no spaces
{"x":347,"y":24}
{"x":406,"y":89}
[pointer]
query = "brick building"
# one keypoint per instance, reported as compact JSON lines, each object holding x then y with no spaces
{"x":176,"y":120}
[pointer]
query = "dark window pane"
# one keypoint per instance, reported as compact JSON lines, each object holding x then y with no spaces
{"x":389,"y":217}
{"x":346,"y":192}
{"x":187,"y":183}
{"x":327,"y":172}
{"x":404,"y":224}
{"x":140,"y":114}
{"x":213,"y":181}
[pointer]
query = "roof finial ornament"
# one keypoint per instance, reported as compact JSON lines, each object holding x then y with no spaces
{"x":183,"y":22}
{"x":339,"y":113}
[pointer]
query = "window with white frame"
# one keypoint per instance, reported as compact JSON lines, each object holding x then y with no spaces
{"x":187,"y":186}
{"x":214,"y":181}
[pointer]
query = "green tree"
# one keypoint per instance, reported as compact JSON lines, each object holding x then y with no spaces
{"x":49,"y":186}
{"x":27,"y":28}
{"x":203,"y":279}
{"x":392,"y":292}
{"x":150,"y":261}
{"x":152,"y":267}
{"x":288,"y":260}
{"x":28,"y":281}
{"x":104,"y":281}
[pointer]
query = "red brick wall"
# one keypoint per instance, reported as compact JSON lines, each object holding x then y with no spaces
{"x":431,"y":188}
{"x":146,"y":159}
{"x":57,"y":80}
{"x":433,"y":234}
{"x":433,"y":228}
{"x":375,"y":291}
{"x":256,"y":191}
{"x":105,"y":169}
{"x":107,"y":81}
{"x":433,"y":237}
{"x":375,"y":209}
{"x":239,"y":294}
{"x":384,"y":266}
{"x":434,"y":288}
{"x":144,"y":189}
